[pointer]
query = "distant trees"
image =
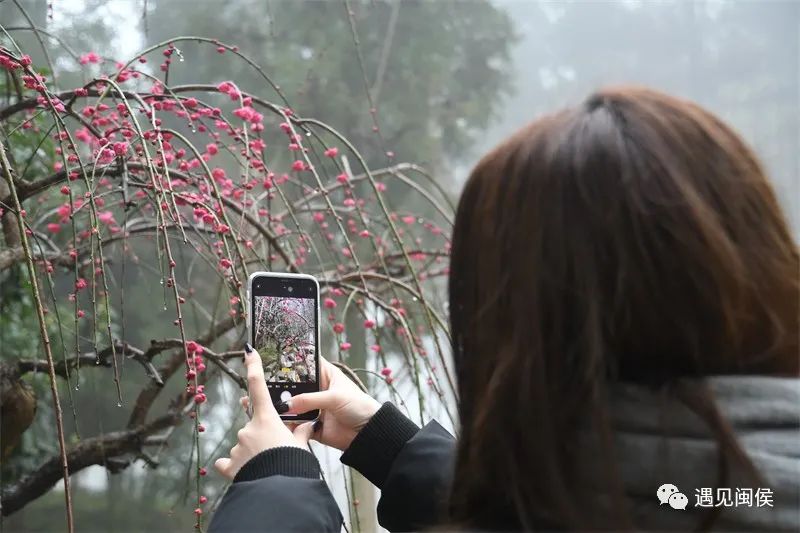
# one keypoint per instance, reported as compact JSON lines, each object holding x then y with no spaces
{"x":422,"y":83}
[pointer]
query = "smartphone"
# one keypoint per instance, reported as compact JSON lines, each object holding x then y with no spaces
{"x":284,"y":328}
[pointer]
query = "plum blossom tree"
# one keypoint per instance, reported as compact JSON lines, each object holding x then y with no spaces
{"x":214,"y":183}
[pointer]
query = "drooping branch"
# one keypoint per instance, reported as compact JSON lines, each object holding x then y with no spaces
{"x":385,"y":51}
{"x":27,"y":189}
{"x":62,"y":461}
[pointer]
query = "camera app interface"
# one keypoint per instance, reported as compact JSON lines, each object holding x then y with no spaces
{"x":284,"y":336}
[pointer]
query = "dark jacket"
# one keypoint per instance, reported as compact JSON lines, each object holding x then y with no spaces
{"x":661,"y":440}
{"x":280,"y":489}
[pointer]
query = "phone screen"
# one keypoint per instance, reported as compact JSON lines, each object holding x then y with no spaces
{"x":284,"y":329}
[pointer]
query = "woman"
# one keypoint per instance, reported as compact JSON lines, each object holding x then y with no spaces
{"x":624,"y":310}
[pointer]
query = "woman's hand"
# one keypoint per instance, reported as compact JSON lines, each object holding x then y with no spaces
{"x":345,"y":408}
{"x":265,"y":430}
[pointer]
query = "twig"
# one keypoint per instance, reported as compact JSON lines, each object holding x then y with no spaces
{"x":387,"y":47}
{"x":45,"y":341}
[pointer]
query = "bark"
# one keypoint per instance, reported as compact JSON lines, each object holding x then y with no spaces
{"x":94,"y":451}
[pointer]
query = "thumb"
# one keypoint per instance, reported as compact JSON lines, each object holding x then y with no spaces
{"x":303,"y":432}
{"x":310,"y":401}
{"x":223,"y":465}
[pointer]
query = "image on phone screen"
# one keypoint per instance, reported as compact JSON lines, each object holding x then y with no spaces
{"x":284,"y":335}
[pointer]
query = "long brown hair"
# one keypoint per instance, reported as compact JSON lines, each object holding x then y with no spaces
{"x":634,"y":238}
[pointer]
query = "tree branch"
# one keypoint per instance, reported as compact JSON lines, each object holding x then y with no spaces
{"x":27,"y":189}
{"x":12,"y":256}
{"x":61,"y":462}
{"x":149,"y":393}
{"x":100,"y":450}
{"x":387,"y":47}
{"x":9,"y":222}
{"x":88,"y":359}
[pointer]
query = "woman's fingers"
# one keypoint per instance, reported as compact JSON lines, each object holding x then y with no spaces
{"x":325,"y":373}
{"x":303,"y":403}
{"x":244,"y":401}
{"x":256,"y":384}
{"x":223,"y":466}
{"x":303,"y":432}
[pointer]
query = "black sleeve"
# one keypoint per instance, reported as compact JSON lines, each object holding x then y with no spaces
{"x":411,"y":466}
{"x":278,"y":490}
